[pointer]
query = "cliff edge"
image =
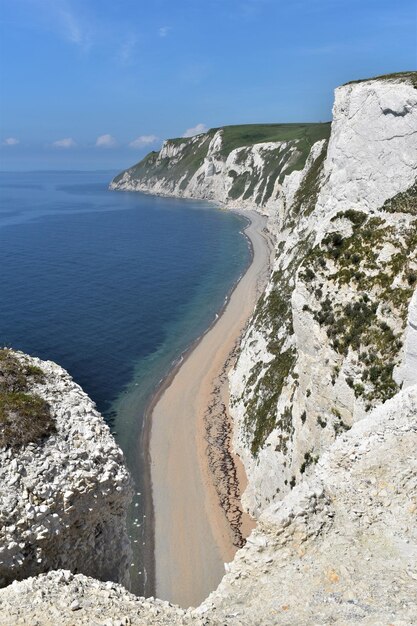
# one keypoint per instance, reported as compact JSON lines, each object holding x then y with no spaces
{"x":64,"y":488}
{"x":332,"y":337}
{"x":324,"y":391}
{"x":341,"y":548}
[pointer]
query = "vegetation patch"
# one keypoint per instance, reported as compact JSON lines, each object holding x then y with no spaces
{"x":321,"y":422}
{"x":405,"y":202}
{"x":24,"y":417}
{"x":306,"y":196}
{"x":250,"y":134}
{"x":273,"y":313}
{"x":276,"y":164}
{"x":372,"y":322}
{"x":241,"y":156}
{"x":409,"y":77}
{"x":340,"y":427}
{"x":239,"y":185}
{"x":309,"y":459}
{"x":261,"y":410}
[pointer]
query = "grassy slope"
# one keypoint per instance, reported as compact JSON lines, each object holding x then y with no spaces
{"x":250,"y":134}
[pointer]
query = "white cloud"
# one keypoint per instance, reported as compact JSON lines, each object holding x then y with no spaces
{"x":143,"y":141}
{"x":71,"y":26}
{"x":105,"y":141}
{"x":164,"y":30}
{"x":62,"y":19}
{"x":127,"y":50}
{"x":67,"y":142}
{"x":11,"y":141}
{"x":196,"y":130}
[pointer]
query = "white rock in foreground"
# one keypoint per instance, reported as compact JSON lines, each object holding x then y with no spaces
{"x":60,"y":598}
{"x":63,"y":500}
{"x":340,"y":549}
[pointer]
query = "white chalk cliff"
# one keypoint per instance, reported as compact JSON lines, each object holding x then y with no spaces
{"x":330,"y":340}
{"x":324,"y":392}
{"x":340,"y":549}
{"x":64,"y":498}
{"x":209,"y":167}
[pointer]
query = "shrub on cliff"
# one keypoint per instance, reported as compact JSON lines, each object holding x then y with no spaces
{"x":24,"y":417}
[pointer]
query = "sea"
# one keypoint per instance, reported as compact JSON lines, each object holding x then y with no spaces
{"x":113,"y":286}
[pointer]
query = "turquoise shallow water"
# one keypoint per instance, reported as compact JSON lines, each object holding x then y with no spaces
{"x":113,"y":286}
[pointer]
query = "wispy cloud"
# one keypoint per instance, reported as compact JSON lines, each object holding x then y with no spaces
{"x":127,"y":50}
{"x":71,"y":25}
{"x":105,"y":141}
{"x":196,"y":130}
{"x":11,"y":141}
{"x":61,"y":17}
{"x":143,"y":140}
{"x":164,"y":31}
{"x":67,"y":142}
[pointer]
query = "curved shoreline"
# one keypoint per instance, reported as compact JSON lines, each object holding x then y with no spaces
{"x":185,"y":499}
{"x":146,"y":430}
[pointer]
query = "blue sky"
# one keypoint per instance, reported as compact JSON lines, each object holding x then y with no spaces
{"x":95,"y":84}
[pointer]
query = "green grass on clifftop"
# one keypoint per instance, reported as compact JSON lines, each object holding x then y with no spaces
{"x":409,"y":77}
{"x":24,"y":417}
{"x":250,"y":134}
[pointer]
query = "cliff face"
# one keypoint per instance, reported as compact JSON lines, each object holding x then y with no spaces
{"x":329,"y":340}
{"x":231,"y":166}
{"x":341,"y":548}
{"x":324,"y":392}
{"x":64,"y":495}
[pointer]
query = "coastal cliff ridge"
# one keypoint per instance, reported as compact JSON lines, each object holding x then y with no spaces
{"x":323,"y":394}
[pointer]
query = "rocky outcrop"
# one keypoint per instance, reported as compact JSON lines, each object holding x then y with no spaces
{"x":341,"y":548}
{"x":64,"y":498}
{"x":62,"y":598}
{"x":372,"y":154}
{"x":333,"y":335}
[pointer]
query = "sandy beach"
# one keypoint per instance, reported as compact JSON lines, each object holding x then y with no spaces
{"x":193,"y":538}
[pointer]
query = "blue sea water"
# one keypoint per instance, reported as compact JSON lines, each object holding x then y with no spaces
{"x":112,"y":286}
